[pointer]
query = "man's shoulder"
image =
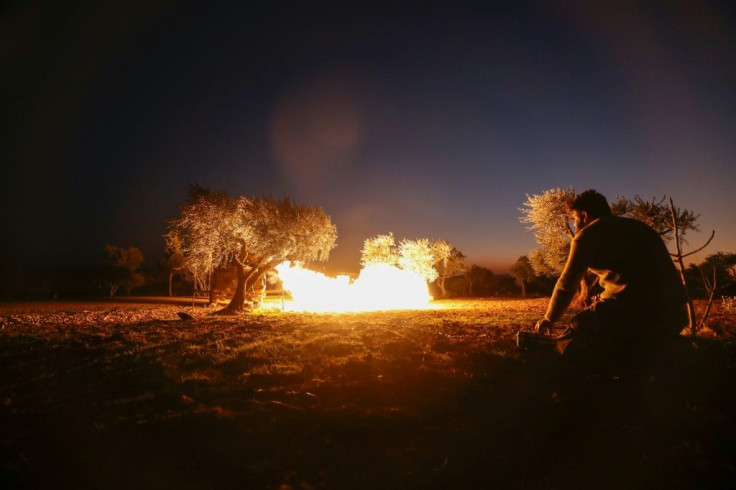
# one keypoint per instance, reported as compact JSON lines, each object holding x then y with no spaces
{"x":634,"y":225}
{"x":612,"y":224}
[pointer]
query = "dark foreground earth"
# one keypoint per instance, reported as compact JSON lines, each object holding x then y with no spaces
{"x":118,"y":396}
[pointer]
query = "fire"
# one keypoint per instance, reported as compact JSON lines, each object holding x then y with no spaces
{"x":378,"y":287}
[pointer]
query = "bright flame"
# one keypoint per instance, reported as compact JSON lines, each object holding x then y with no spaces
{"x":378,"y":287}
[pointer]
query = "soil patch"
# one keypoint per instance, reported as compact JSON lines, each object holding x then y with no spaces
{"x":110,"y":395}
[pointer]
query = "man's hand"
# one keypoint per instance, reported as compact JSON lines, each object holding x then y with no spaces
{"x":543,"y":326}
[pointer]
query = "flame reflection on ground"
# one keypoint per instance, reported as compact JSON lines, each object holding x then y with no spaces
{"x":378,"y":287}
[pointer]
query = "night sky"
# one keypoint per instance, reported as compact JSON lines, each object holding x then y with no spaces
{"x":425,"y":119}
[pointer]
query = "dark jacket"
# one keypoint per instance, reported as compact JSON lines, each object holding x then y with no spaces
{"x":634,"y":268}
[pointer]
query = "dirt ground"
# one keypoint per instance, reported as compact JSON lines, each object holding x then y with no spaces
{"x":128,"y":395}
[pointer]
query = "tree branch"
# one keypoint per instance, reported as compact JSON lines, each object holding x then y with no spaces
{"x":712,"y":234}
{"x":710,"y":287}
{"x":681,"y":269}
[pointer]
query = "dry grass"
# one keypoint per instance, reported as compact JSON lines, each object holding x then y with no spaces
{"x":102,"y":395}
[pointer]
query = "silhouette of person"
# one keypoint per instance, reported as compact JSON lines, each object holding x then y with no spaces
{"x":643,"y":299}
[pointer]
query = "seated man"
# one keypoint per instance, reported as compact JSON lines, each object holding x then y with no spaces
{"x":643,"y":299}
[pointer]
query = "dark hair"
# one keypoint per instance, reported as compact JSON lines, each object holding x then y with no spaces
{"x":592,"y":202}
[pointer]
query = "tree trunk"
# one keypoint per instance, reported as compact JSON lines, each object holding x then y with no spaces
{"x":213,"y":283}
{"x":692,"y":325}
{"x":441,"y":284}
{"x":237,"y":303}
{"x":245,"y":290}
{"x":710,"y":287}
{"x":171,"y":280}
{"x":523,"y":288}
{"x":707,"y":309}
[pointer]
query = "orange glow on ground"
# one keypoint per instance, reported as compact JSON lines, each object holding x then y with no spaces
{"x":378,"y":287}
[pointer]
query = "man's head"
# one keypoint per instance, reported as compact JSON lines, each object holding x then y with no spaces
{"x":588,"y":206}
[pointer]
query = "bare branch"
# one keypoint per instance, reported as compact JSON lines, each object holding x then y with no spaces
{"x":712,"y":234}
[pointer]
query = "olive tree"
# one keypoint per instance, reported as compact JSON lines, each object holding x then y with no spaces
{"x":252,"y":234}
{"x":522,"y":272}
{"x":448,"y":262}
{"x":122,"y":270}
{"x":547,"y":216}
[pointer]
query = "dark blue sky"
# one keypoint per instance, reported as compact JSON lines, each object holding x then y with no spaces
{"x":425,"y":119}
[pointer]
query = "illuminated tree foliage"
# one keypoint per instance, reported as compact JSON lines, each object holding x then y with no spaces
{"x":416,"y":256}
{"x":380,"y":249}
{"x":548,"y":218}
{"x":435,"y":260}
{"x":203,"y":237}
{"x":123,"y":268}
{"x":252,"y":234}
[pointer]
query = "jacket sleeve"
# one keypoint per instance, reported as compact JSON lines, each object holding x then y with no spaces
{"x":567,"y":284}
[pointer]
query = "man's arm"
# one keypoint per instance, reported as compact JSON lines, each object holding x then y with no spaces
{"x":577,"y":264}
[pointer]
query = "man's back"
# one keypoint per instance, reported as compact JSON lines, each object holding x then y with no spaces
{"x":634,"y":267}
